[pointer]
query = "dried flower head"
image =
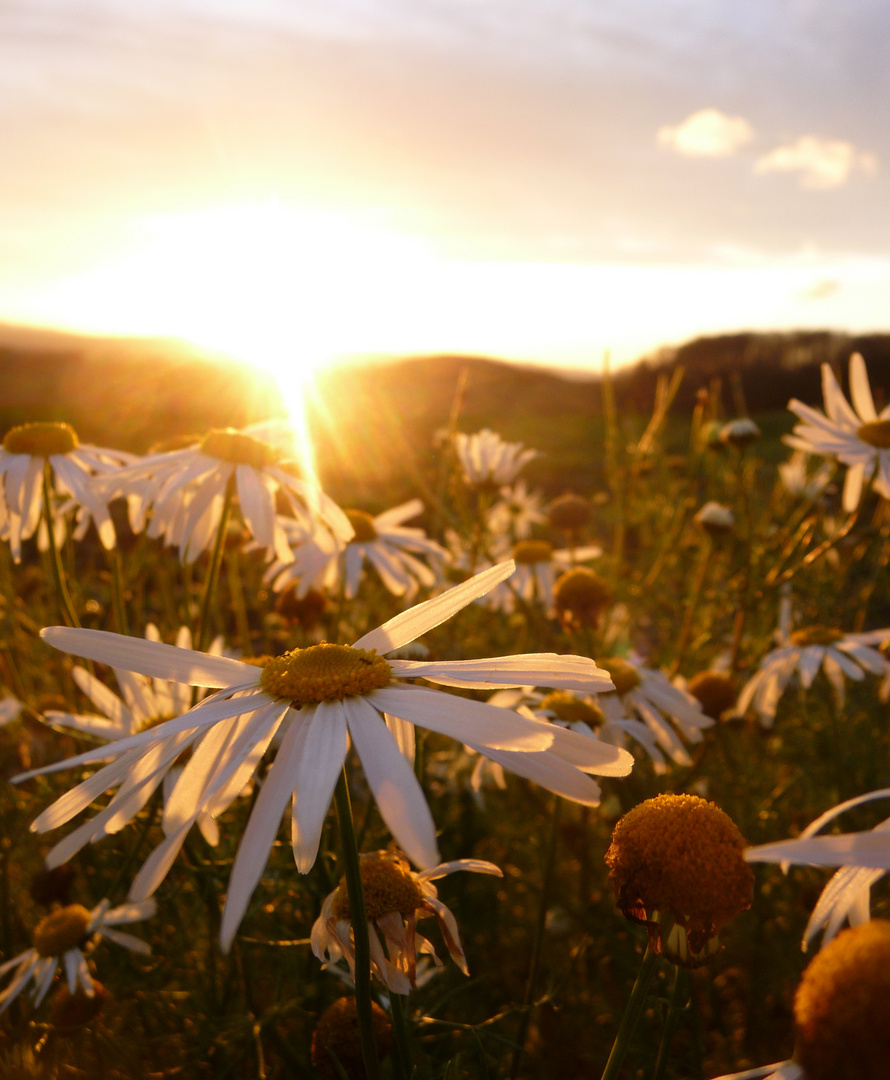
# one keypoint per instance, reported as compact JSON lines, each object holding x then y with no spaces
{"x":842,"y":1004}
{"x":337,"y":1032}
{"x":715,"y":692}
{"x":676,"y":866}
{"x":580,"y":595}
{"x":569,"y":513}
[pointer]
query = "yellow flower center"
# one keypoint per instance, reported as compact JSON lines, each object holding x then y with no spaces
{"x":676,"y":860}
{"x":571,"y":709}
{"x":876,"y":433}
{"x":387,"y":888}
{"x":337,"y":1028}
{"x":622,"y":673}
{"x":714,"y":691}
{"x":569,"y":512}
{"x":529,"y":552}
{"x":581,"y":594}
{"x":324,"y":672}
{"x":227,"y":444}
{"x":816,"y":635}
{"x":41,"y":439}
{"x":840,"y":1008}
{"x":365,"y":530}
{"x":61,"y":930}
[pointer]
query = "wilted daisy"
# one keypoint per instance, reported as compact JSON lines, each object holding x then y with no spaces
{"x":395,"y":898}
{"x":384,"y":542}
{"x":715,"y":518}
{"x":671,"y":714}
{"x":185,"y":491}
{"x":27,"y":451}
{"x":857,"y":436}
{"x":803,"y":654}
{"x":331,"y":695}
{"x":676,"y":865}
{"x":59,"y":940}
{"x":487,"y":461}
{"x":146,"y":703}
{"x":864,"y":858}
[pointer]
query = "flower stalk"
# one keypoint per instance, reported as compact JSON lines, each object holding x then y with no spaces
{"x":632,"y":1013}
{"x":65,"y":603}
{"x":204,"y":630}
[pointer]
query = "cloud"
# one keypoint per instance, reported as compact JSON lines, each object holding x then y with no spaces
{"x":707,"y":133}
{"x":823,"y":163}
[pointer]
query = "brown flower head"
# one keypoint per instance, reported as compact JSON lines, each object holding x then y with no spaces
{"x":841,"y":1007}
{"x":580,"y":595}
{"x":676,"y":866}
{"x":714,"y":691}
{"x":337,"y":1031}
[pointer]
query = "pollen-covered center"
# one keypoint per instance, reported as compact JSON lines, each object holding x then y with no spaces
{"x":876,"y":433}
{"x":227,"y":444}
{"x":622,"y":673}
{"x":61,"y":930}
{"x":816,"y":635}
{"x":365,"y":529}
{"x":529,"y":552}
{"x":41,"y":439}
{"x":387,"y":889}
{"x":682,"y":856}
{"x":571,"y":709}
{"x":840,"y":1008}
{"x":324,"y":672}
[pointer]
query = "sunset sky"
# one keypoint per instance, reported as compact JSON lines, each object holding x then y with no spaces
{"x":296,"y":180}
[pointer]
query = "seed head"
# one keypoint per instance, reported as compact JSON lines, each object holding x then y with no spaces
{"x":580,"y":596}
{"x":41,"y":439}
{"x":530,"y":552}
{"x":569,"y":512}
{"x":61,"y":930}
{"x":365,"y":529}
{"x":227,"y":444}
{"x":572,"y":709}
{"x":337,"y":1030}
{"x":714,"y":691}
{"x":388,"y":888}
{"x":815,"y":635}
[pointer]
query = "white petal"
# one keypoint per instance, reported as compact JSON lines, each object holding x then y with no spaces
{"x":867,"y":849}
{"x":565,"y":672}
{"x":316,"y":775}
{"x":396,"y":790}
{"x":860,"y":391}
{"x":549,"y":772}
{"x":151,"y":657}
{"x":410,"y":624}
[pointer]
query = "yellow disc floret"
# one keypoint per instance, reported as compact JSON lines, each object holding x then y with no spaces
{"x":61,"y":930}
{"x":388,"y":888}
{"x":41,"y":439}
{"x":816,"y":635}
{"x":529,"y":552}
{"x":876,"y":433}
{"x":622,"y":673}
{"x":572,"y":709}
{"x":676,"y":861}
{"x":842,"y":1004}
{"x":365,"y":529}
{"x":227,"y":444}
{"x":324,"y":672}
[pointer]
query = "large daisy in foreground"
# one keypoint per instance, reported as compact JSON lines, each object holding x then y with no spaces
{"x":330,"y":695}
{"x":857,"y":436}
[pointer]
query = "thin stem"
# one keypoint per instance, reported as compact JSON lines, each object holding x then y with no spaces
{"x":632,"y":1013}
{"x":359,"y":919}
{"x":117,"y":590}
{"x":692,"y":603}
{"x":670,"y":1026}
{"x":68,"y":612}
{"x":402,"y":1057}
{"x":540,"y":926}
{"x":236,"y":592}
{"x":203,"y":635}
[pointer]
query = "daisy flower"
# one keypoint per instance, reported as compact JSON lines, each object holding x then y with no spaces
{"x":395,"y":898}
{"x":670,"y":713}
{"x":27,"y":452}
{"x":516,"y":512}
{"x":146,"y":703}
{"x":330,"y":695}
{"x":538,"y":565}
{"x":59,"y":939}
{"x":856,"y":435}
{"x":797,"y":479}
{"x":864,"y":858}
{"x":803,"y":654}
{"x":384,"y":542}
{"x":489,"y":462}
{"x":10,"y":709}
{"x":186,"y":491}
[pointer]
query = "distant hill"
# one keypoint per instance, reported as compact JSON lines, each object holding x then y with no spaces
{"x":372,"y":423}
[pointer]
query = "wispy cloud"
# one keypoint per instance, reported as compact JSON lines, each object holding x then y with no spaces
{"x":823,"y":164}
{"x":707,"y":133}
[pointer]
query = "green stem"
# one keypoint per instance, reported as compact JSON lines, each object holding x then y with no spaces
{"x":203,"y":635}
{"x":68,"y":612}
{"x":670,"y":1026}
{"x":359,"y":919}
{"x":402,"y":1056}
{"x":632,"y":1014}
{"x":540,"y":926}
{"x":236,"y":591}
{"x":117,"y":590}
